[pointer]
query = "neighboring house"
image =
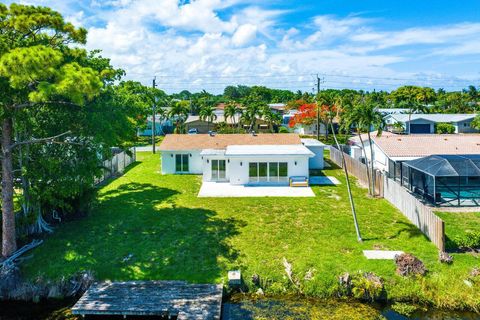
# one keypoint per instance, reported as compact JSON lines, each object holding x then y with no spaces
{"x":162,"y":126}
{"x":278,"y":108}
{"x":387,"y":111}
{"x":425,"y":123}
{"x":262,"y":159}
{"x":302,"y":129}
{"x":194,"y":122}
{"x":390,"y":150}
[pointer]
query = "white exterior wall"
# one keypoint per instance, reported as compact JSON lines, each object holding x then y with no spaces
{"x":380,"y":160}
{"x":194,"y":161}
{"x":316,"y":162}
{"x":238,"y":174}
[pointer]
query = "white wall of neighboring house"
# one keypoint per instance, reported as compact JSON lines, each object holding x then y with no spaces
{"x":380,"y":159}
{"x":194,"y":161}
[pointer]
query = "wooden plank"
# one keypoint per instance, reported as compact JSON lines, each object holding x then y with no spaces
{"x":152,"y":298}
{"x":419,"y":214}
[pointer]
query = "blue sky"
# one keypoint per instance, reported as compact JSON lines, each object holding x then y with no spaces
{"x":208,"y":44}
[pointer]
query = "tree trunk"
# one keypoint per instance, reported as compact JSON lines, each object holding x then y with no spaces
{"x":9,"y":244}
{"x":372,"y":172}
{"x":366,"y":163}
{"x":350,"y":196}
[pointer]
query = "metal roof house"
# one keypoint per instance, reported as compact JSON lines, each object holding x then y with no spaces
{"x":425,"y":123}
{"x":240,"y":159}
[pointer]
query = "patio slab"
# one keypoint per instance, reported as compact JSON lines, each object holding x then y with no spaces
{"x":222,"y":189}
{"x":323,"y":180}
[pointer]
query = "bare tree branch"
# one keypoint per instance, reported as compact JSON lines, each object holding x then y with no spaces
{"x":32,"y":141}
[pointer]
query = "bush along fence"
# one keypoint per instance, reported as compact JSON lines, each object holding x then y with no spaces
{"x":117,"y":164}
{"x":419,"y":214}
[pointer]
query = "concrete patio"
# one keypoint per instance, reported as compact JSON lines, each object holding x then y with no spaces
{"x":225,"y":189}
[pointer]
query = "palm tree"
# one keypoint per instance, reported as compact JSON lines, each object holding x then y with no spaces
{"x":179,"y":111}
{"x":231,"y":110}
{"x":207,"y":112}
{"x":250,"y":115}
{"x":271,"y":117}
{"x":352,"y":119}
{"x":369,"y":118}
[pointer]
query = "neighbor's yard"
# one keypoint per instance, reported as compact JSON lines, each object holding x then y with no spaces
{"x":172,"y":234}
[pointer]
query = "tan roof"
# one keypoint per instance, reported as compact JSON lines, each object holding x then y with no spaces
{"x":221,"y":141}
{"x":421,"y":145}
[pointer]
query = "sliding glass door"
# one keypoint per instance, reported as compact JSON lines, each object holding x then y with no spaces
{"x":275,"y":172}
{"x":181,"y":163}
{"x":218,"y":170}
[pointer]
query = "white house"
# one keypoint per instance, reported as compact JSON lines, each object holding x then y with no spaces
{"x":264,"y":159}
{"x":390,"y":150}
{"x":425,"y":123}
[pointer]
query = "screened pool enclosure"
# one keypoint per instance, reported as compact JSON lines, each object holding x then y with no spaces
{"x":444,"y":179}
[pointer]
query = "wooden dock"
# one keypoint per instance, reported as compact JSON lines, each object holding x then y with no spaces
{"x":170,"y":299}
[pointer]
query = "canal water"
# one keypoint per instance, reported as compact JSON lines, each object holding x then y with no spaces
{"x":236,"y":309}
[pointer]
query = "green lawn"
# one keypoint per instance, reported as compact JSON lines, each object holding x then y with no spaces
{"x":172,"y":234}
{"x":459,"y":223}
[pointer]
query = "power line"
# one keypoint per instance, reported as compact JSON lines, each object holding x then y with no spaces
{"x":304,"y":75}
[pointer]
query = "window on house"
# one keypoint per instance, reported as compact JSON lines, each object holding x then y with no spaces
{"x":268,"y":171}
{"x":181,"y":163}
{"x":218,"y":170}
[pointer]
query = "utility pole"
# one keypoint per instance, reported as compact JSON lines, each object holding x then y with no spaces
{"x":319,"y":81}
{"x":154,"y":107}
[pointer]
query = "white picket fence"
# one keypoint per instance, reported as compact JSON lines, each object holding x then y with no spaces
{"x":116,"y":164}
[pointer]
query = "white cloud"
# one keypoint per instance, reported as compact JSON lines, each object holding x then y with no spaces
{"x":244,"y":34}
{"x":456,"y":33}
{"x":213,"y":39}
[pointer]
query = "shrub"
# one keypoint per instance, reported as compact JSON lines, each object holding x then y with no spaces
{"x":362,"y":285}
{"x":444,"y":127}
{"x":367,"y":286}
{"x":283,"y":130}
{"x":408,"y":264}
{"x":469,"y":240}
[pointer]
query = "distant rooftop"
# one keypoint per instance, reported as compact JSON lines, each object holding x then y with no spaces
{"x":421,"y":145}
{"x":393,"y":110}
{"x":434,"y":117}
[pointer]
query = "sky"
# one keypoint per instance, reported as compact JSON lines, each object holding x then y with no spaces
{"x":209,"y":44}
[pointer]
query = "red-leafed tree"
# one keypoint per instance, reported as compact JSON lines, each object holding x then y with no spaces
{"x":307,"y":115}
